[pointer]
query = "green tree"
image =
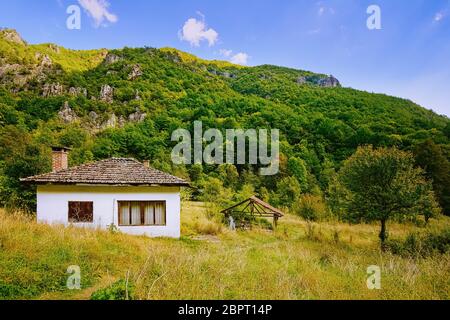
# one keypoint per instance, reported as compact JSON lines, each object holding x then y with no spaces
{"x":297,"y":168}
{"x":264,"y":194}
{"x":447,"y":130}
{"x":229,"y":175}
{"x":384,"y":183}
{"x":288,"y":191}
{"x":430,"y":157}
{"x":335,"y":197}
{"x":196,"y":172}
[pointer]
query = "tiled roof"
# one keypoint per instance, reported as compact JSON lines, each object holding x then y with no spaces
{"x":115,"y":171}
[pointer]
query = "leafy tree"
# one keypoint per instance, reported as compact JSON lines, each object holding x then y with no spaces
{"x":229,"y":175}
{"x":447,"y":130}
{"x":430,"y":157}
{"x":215,"y":192}
{"x":297,"y":168}
{"x":247,"y":191}
{"x":287,"y":192}
{"x":264,"y":194}
{"x":336,"y":195}
{"x":196,"y":172}
{"x":428,"y":206}
{"x":384,"y":183}
{"x":19,"y":160}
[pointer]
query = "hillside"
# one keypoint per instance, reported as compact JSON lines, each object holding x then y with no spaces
{"x":126,"y":103}
{"x":299,"y":261}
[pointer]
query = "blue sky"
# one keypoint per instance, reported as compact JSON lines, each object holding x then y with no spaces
{"x":409,"y":57}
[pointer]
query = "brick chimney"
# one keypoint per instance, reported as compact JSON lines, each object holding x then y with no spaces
{"x":60,"y":158}
{"x":146,"y":163}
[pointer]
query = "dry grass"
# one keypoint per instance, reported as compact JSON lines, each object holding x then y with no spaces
{"x":328,"y":262}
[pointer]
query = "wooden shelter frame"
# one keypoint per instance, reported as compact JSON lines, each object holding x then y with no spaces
{"x":255,"y":207}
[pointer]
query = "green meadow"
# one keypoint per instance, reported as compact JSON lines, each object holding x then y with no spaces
{"x":299,"y":260}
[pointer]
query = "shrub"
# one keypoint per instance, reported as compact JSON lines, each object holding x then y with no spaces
{"x":310,"y":207}
{"x":421,"y":246}
{"x":120,"y":290}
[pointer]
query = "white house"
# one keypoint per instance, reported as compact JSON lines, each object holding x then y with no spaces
{"x":123,"y":192}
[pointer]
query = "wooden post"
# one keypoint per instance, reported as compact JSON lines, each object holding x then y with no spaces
{"x":275,"y":222}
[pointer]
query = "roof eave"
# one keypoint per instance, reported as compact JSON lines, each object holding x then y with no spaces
{"x":38,"y":182}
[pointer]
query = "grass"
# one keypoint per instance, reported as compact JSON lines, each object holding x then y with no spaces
{"x":298,"y":261}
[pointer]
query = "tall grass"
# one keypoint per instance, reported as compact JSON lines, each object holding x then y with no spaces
{"x":322,"y":261}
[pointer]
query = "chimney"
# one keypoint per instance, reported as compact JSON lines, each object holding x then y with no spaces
{"x":146,"y":163}
{"x":60,"y":158}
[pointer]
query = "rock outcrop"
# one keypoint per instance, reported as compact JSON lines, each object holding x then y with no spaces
{"x":137,"y":116}
{"x":12,"y":36}
{"x":54,"y":48}
{"x":326,"y":82}
{"x":137,"y":96}
{"x":224,"y":74}
{"x":66,"y":114}
{"x":135,"y":73}
{"x":110,"y":123}
{"x":98,"y":123}
{"x":329,"y":82}
{"x":107,"y":94}
{"x":77,"y":91}
{"x":112,"y":58}
{"x":228,"y":75}
{"x":9,"y":69}
{"x":122,"y":122}
{"x":53,"y":90}
{"x":302,"y":80}
{"x":93,"y":116}
{"x":44,"y":60}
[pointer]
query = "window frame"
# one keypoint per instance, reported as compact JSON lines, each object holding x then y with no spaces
{"x":142,"y":204}
{"x":80,"y":202}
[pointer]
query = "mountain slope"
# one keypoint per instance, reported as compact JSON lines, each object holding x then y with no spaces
{"x":127,"y":102}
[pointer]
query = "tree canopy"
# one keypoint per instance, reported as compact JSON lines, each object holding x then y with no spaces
{"x":384,"y":183}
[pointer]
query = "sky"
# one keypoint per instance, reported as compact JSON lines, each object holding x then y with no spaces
{"x":400,"y":48}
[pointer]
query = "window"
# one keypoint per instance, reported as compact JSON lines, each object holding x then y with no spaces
{"x":142,"y":213}
{"x":81,"y":212}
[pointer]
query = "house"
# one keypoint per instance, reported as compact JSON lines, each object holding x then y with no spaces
{"x":121,"y":192}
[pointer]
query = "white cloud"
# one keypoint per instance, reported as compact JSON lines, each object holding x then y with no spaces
{"x":98,"y":10}
{"x":240,"y":58}
{"x":195,"y":31}
{"x":442,"y":14}
{"x":324,"y":9}
{"x":321,"y":11}
{"x":225,"y":52}
{"x":439,"y":16}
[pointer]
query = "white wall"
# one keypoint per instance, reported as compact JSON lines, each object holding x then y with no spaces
{"x":53,"y":207}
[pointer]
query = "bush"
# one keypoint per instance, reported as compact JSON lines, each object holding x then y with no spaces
{"x":310,"y":207}
{"x":120,"y":290}
{"x":421,"y":246}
